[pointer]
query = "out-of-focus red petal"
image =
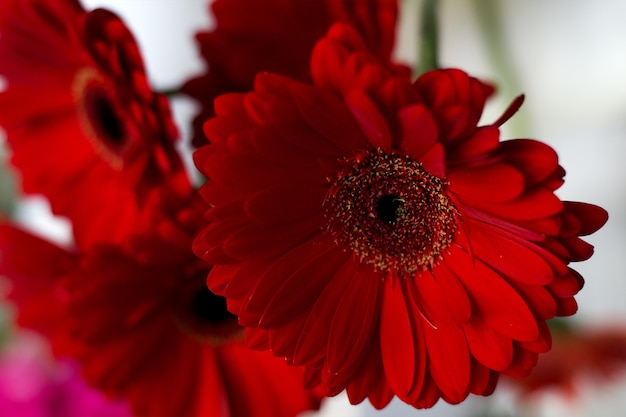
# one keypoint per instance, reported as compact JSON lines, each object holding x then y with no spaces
{"x":329,"y":117}
{"x":419,"y":131}
{"x":372,"y":123}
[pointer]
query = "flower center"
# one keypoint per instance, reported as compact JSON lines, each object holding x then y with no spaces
{"x":391,"y":212}
{"x":102,"y":115}
{"x":210,"y":308}
{"x":202,"y":315}
{"x":99,"y":117}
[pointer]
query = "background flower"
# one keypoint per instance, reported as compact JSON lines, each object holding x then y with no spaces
{"x":83,"y":125}
{"x":251,"y":36}
{"x":597,"y":354}
{"x":144,"y":328}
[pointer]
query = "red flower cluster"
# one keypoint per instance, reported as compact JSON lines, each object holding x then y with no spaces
{"x":129,"y":302}
{"x":358,"y":224}
{"x":366,"y":228}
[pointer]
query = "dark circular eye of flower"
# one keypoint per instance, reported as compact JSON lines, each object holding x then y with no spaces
{"x":202,"y":315}
{"x":101,"y":112}
{"x":99,"y":117}
{"x":210,"y":308}
{"x":391,"y":212}
{"x":389,"y":208}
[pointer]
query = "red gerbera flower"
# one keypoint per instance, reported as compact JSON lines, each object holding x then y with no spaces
{"x":365,"y":227}
{"x":277,"y":36}
{"x":145,"y":328}
{"x":84,"y":127}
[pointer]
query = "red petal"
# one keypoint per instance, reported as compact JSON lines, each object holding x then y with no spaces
{"x":434,"y":160}
{"x":449,"y":361}
{"x":283,"y":339}
{"x":578,"y":249}
{"x":543,"y":342}
{"x":397,"y":341}
{"x":372,"y":123}
{"x":266,"y":109}
{"x":269,"y":203}
{"x":566,"y":285}
{"x":355,"y":323}
{"x":535,"y":159}
{"x":456,"y":297}
{"x":329,"y":117}
{"x":299,"y":263}
{"x":256,"y":339}
{"x":419,"y":130}
{"x":326,"y":63}
{"x":591,"y":217}
{"x":523,"y":363}
{"x":300,"y":289}
{"x":539,"y":299}
{"x":511,"y":258}
{"x":481,"y":381}
{"x":313,"y":342}
{"x":494,"y":182}
{"x":429,"y":395}
{"x":490,"y":348}
{"x":368,"y":377}
{"x":448,"y":354}
{"x":566,"y":307}
{"x":495,"y":301}
{"x":533,"y":204}
{"x":269,"y":239}
{"x":478,"y":146}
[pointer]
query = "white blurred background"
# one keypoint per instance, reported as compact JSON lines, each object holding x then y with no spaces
{"x":568,"y":57}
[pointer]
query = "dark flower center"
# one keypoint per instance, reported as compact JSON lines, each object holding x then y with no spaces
{"x":210,"y":308}
{"x":100,"y":119}
{"x":389,"y":208}
{"x":103,"y":116}
{"x":201,"y":314}
{"x":391,"y":212}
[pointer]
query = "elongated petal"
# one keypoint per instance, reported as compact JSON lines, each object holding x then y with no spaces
{"x":397,"y":340}
{"x":497,"y":303}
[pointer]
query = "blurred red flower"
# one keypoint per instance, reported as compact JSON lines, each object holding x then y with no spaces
{"x":144,"y":327}
{"x":252,"y":36}
{"x":366,"y":228}
{"x":578,"y":354}
{"x":83,"y":125}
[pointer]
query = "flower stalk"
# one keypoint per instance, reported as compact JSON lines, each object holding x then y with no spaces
{"x":429,"y":38}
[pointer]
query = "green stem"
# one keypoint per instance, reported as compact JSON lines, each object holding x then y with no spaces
{"x":429,"y":37}
{"x":170,"y":92}
{"x":489,"y":15}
